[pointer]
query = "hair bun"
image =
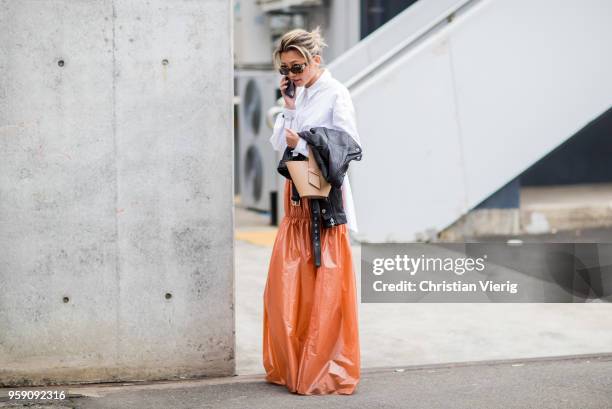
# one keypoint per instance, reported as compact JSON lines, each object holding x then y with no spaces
{"x":317,"y":39}
{"x":307,"y":43}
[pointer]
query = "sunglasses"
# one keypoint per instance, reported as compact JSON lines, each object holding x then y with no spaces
{"x":295,"y":68}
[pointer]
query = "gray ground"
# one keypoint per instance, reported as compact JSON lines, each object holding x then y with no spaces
{"x":572,"y":383}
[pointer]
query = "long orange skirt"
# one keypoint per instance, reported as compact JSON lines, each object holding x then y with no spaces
{"x":310,"y":327}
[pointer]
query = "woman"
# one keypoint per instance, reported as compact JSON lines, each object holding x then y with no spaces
{"x":310,"y":337}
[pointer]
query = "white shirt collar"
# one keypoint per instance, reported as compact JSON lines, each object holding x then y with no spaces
{"x":320,"y":82}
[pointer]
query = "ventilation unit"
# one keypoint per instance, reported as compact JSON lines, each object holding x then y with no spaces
{"x":257,"y":161}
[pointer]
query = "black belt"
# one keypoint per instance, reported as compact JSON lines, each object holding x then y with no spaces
{"x":315,"y":212}
{"x":315,"y":218}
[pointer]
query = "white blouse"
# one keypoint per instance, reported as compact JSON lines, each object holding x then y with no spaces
{"x":325,"y":103}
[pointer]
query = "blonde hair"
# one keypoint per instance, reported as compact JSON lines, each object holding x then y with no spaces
{"x":308,"y":44}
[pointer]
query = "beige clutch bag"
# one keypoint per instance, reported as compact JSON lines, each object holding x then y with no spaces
{"x":307,"y":177}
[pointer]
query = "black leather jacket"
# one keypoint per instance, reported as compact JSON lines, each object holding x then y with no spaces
{"x":333,"y":150}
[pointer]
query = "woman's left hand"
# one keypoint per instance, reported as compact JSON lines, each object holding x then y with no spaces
{"x":292,"y":137}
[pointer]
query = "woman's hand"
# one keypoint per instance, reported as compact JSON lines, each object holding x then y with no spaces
{"x":289,"y":102}
{"x":292,"y":137}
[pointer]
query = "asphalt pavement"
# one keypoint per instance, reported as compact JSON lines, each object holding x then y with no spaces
{"x":577,"y":382}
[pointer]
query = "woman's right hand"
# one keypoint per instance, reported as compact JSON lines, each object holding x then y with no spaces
{"x":289,"y":102}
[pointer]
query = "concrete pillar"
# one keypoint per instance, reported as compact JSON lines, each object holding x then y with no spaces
{"x":116,"y":190}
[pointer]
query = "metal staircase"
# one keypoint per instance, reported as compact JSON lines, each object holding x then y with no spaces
{"x":456,"y":98}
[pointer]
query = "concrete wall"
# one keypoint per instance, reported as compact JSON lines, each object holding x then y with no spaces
{"x":116,"y":217}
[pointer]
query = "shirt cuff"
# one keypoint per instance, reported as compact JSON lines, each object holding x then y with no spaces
{"x":301,"y":147}
{"x":288,"y":113}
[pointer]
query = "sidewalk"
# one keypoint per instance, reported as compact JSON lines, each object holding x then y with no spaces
{"x":579,"y":382}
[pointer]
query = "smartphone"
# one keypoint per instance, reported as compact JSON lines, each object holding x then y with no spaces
{"x":290,"y":90}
